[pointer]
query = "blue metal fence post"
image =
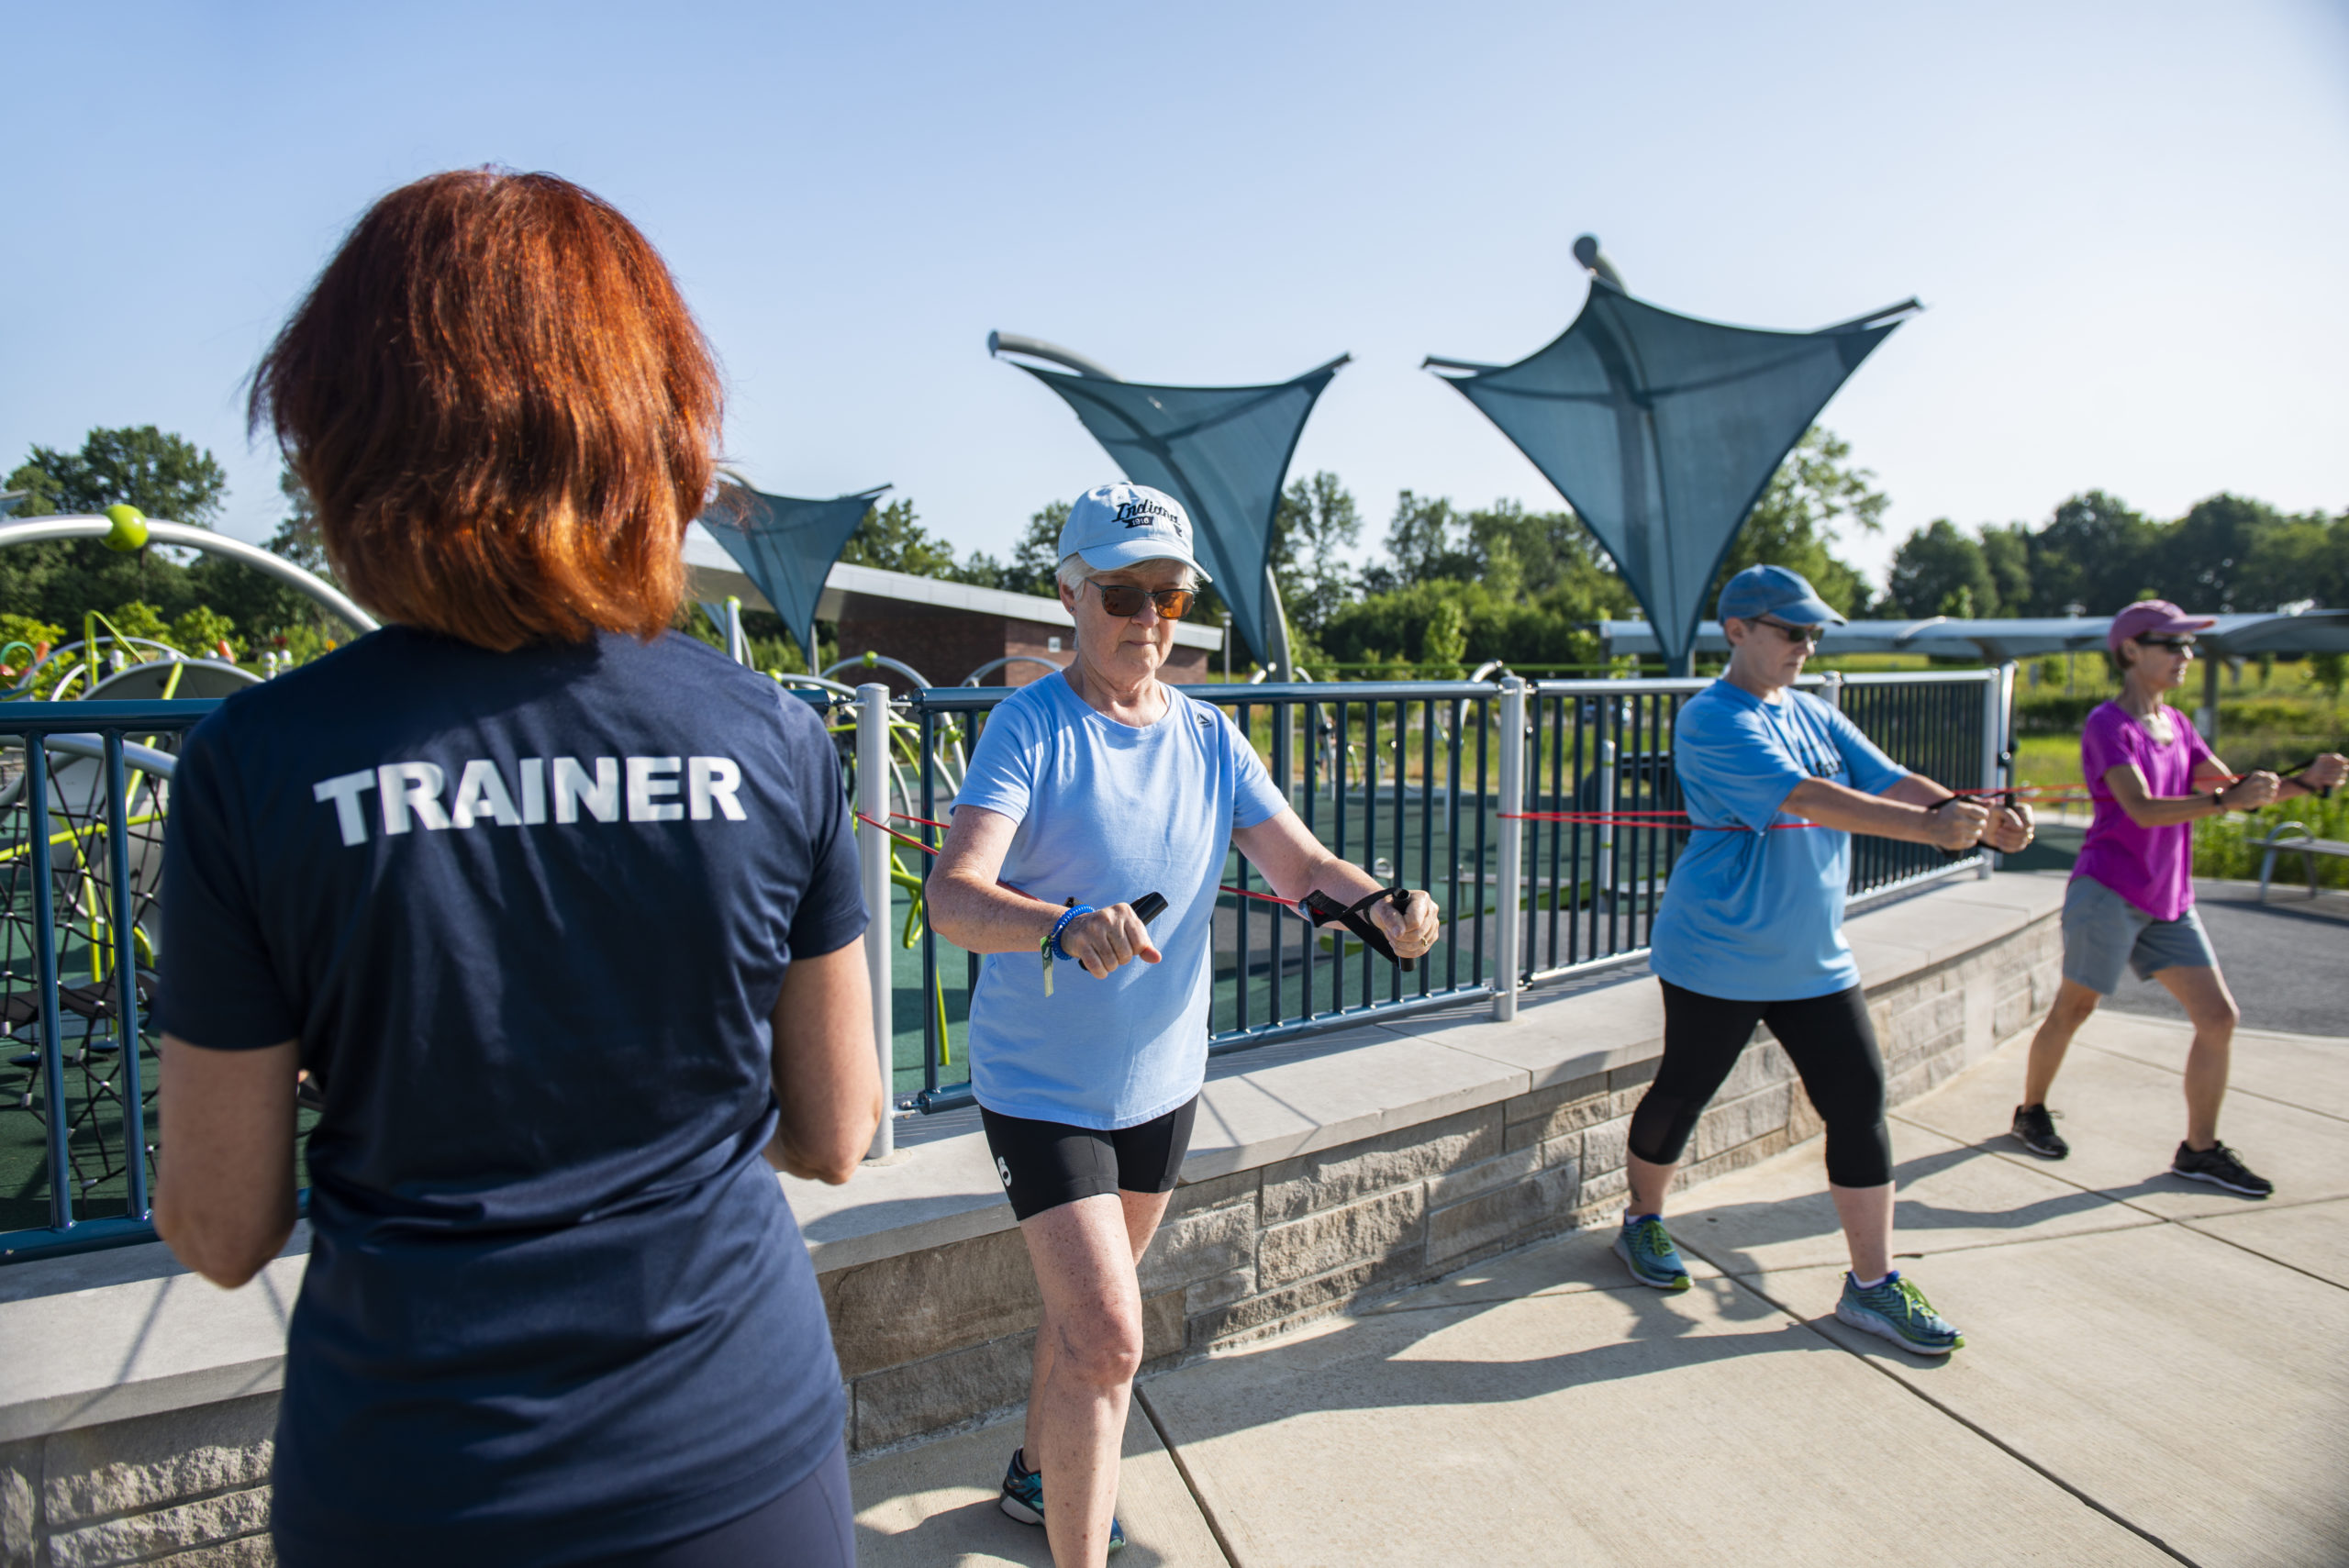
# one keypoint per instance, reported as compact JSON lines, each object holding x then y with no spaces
{"x":44,"y":945}
{"x":126,"y":974}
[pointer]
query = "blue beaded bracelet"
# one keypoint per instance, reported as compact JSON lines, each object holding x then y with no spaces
{"x":1053,"y":941}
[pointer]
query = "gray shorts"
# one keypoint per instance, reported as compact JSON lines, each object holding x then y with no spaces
{"x":2103,"y":931}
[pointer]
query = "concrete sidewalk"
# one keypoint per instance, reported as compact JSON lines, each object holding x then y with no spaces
{"x":2155,"y":1371}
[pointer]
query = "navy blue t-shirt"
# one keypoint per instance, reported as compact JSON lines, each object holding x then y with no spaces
{"x":527,"y":915}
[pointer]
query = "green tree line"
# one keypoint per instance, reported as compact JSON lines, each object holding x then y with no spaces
{"x":1448,"y":587}
{"x":2098,"y":555}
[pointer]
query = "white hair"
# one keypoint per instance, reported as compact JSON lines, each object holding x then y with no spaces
{"x":1075,"y":574}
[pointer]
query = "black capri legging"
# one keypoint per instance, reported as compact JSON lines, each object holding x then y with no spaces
{"x":1832,"y":1044}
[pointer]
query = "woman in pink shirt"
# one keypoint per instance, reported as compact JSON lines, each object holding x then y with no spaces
{"x":2132,"y":899}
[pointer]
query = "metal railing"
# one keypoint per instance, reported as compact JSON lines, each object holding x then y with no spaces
{"x":83,"y":788}
{"x":1458,"y":787}
{"x":1445,"y":785}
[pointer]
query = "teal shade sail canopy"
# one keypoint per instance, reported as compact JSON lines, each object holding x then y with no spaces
{"x":1662,"y":431}
{"x":786,"y":545}
{"x":1221,"y":450}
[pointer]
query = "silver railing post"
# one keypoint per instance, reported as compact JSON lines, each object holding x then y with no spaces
{"x":872,"y":862}
{"x":1997,"y":707}
{"x":1603,"y":883}
{"x":738,"y":642}
{"x":1513,"y":849}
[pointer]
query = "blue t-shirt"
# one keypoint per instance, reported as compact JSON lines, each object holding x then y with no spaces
{"x":1758,"y":917}
{"x":527,"y":915}
{"x":1106,"y":813}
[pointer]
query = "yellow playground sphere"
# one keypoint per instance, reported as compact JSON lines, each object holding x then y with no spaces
{"x":129,"y":530}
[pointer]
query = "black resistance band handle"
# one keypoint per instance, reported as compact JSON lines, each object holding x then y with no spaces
{"x":1150,"y":907}
{"x":1322,"y":910}
{"x":2296,"y":768}
{"x":2005,"y":803}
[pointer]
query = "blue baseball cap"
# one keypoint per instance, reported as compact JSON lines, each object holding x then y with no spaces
{"x":1774,"y":591}
{"x":1123,"y":525}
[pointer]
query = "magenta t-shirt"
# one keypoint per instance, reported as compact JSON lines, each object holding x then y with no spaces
{"x":2151,"y":867}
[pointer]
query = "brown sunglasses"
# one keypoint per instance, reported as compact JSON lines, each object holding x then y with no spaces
{"x":1125,"y":599}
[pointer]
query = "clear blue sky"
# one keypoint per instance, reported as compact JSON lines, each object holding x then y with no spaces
{"x":2131,"y":221}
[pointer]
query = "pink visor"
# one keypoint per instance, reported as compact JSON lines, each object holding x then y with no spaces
{"x":2156,"y":617}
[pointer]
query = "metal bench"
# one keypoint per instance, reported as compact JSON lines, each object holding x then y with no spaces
{"x":2307,"y":846}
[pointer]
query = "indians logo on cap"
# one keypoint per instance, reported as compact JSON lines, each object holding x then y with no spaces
{"x":1142,"y":512}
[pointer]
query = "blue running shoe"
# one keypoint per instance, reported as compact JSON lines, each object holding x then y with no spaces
{"x":1898,"y":1310}
{"x":1023,"y":1497}
{"x":1647,"y":1251}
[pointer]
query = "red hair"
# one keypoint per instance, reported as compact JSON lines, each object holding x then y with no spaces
{"x":504,"y":413}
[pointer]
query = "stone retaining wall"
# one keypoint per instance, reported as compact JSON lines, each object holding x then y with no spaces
{"x":933,"y":1339}
{"x":187,"y":1488}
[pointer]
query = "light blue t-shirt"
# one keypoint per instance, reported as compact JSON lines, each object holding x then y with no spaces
{"x":1758,"y":917}
{"x":1106,"y":813}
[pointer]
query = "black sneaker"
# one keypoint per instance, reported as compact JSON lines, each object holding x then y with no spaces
{"x":2219,"y":1166}
{"x":2034,"y":1128}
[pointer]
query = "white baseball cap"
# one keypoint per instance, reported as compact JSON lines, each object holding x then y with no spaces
{"x":1122,"y":525}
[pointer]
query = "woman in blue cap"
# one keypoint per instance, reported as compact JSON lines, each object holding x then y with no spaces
{"x":1099,"y":785}
{"x":1751,"y":932}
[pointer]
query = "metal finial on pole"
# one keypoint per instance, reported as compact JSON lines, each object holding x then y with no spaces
{"x":1594,"y":261}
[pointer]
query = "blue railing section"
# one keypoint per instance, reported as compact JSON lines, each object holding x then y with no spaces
{"x":1407,"y":779}
{"x":83,"y":790}
{"x":1450,"y":785}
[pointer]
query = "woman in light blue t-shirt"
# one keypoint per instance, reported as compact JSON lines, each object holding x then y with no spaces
{"x":1087,"y":790}
{"x":1751,"y":932}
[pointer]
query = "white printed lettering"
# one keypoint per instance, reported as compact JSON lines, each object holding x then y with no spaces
{"x":714,"y":779}
{"x":344,"y":792}
{"x":534,"y":791}
{"x":649,"y":776}
{"x":411,"y":787}
{"x":572,"y":790}
{"x":481,"y":792}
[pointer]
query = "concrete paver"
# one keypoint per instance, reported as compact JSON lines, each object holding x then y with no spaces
{"x":2308,"y":1070}
{"x":2190,"y":1386}
{"x":1578,"y":1261}
{"x":1600,"y":1427}
{"x":936,"y":1505}
{"x":2123,"y":1118}
{"x":1777,"y":1214}
{"x":2311,"y":1237}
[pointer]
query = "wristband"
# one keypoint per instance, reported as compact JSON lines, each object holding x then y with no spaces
{"x":2219,"y":799}
{"x":1053,"y":942}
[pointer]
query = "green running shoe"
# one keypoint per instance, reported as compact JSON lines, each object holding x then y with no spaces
{"x":1647,"y":1251}
{"x":1898,"y":1310}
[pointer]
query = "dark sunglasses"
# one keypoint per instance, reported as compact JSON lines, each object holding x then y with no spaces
{"x":1805,"y":634}
{"x":2174,"y":644}
{"x":1125,"y":599}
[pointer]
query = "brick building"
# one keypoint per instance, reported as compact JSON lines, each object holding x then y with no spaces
{"x":944,"y":630}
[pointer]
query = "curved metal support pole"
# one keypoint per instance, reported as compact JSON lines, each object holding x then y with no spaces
{"x":992,"y":665}
{"x":1051,"y":354}
{"x":38,"y":529}
{"x":880,"y":661}
{"x":145,"y":758}
{"x":785,"y":678}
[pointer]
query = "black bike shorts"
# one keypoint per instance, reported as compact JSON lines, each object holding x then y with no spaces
{"x":1044,"y":1164}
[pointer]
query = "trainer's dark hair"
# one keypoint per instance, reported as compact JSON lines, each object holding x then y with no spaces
{"x":503,"y":411}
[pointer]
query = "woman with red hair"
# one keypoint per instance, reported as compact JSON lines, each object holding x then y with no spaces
{"x":558,"y":911}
